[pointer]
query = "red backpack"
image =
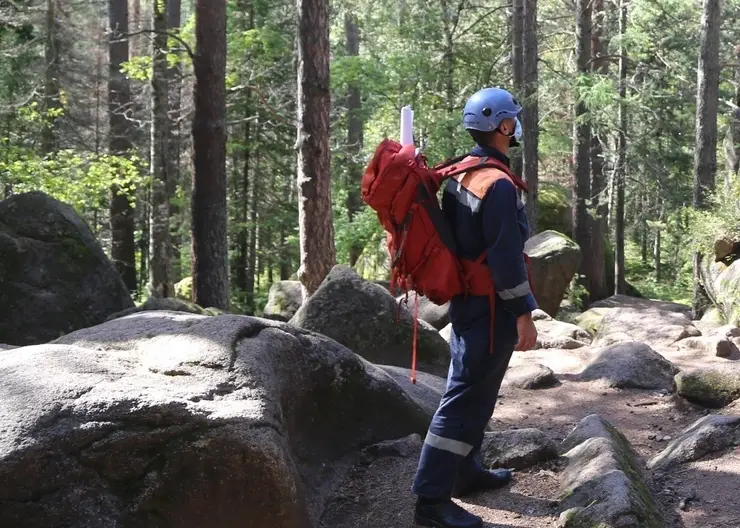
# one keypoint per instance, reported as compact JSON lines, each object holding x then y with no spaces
{"x":402,"y":189}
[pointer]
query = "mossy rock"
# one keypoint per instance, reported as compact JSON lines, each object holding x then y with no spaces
{"x":170,"y":304}
{"x":712,"y":386}
{"x":184,"y":289}
{"x":554,"y":208}
{"x":602,"y":484}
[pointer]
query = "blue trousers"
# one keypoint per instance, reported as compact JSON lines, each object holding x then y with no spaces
{"x":455,"y":435}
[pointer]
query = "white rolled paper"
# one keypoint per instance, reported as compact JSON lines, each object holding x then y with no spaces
{"x":407,"y":126}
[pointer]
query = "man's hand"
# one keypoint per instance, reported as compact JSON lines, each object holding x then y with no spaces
{"x":527,"y":332}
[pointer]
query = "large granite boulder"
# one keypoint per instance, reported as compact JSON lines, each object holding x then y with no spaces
{"x":554,"y":208}
{"x":554,"y":262}
{"x":632,"y":365}
{"x":713,"y":386}
{"x":435,"y":314}
{"x":167,"y":304}
{"x":602,"y":483}
{"x":591,"y":319}
{"x":170,"y":419}
{"x":283,"y":300}
{"x":646,"y":322}
{"x":365,"y":318}
{"x":54,"y":276}
{"x":552,"y":333}
{"x":722,"y":284}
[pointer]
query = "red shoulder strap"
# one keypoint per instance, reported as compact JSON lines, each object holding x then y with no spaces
{"x":457,"y":166}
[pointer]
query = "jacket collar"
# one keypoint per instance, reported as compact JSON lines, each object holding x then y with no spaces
{"x":482,"y":152}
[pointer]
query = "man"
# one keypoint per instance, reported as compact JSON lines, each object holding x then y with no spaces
{"x":486,"y":215}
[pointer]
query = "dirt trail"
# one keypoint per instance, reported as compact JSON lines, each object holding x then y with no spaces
{"x":378,"y":494}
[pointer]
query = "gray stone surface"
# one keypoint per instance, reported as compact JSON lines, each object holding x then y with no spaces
{"x":167,"y":304}
{"x":557,"y":334}
{"x":707,"y":435}
{"x":531,"y":376}
{"x":517,"y":448}
{"x":714,"y":386}
{"x":283,"y":300}
{"x":427,"y":391}
{"x":629,"y":365}
{"x":436,"y":315}
{"x":554,"y":261}
{"x":711,"y":345}
{"x":173,"y":419}
{"x":54,"y":276}
{"x":653,"y":326}
{"x":364,"y":317}
{"x":602,"y":484}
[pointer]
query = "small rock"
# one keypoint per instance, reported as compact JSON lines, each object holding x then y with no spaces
{"x":531,"y":376}
{"x":707,"y":435}
{"x":666,"y":438}
{"x":715,"y":345}
{"x":517,"y":448}
{"x":446,"y":332}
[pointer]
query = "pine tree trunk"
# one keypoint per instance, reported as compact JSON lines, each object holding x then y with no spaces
{"x":620,"y":283}
{"x":314,"y":176}
{"x":174,"y":77}
{"x":705,"y":154}
{"x":581,"y":146}
{"x":209,"y":221}
{"x":252,"y":248}
{"x":52,"y":103}
{"x":599,"y":286}
{"x":517,"y":67}
{"x":449,"y":22}
{"x":355,"y":138}
{"x":240,"y":266}
{"x":123,"y":249}
{"x":160,"y":252}
{"x":530,"y":116}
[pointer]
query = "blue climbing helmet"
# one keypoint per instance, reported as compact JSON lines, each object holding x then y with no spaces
{"x":486,"y":108}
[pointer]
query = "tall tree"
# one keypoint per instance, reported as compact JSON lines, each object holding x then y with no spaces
{"x":123,"y":249}
{"x":598,"y":284}
{"x":581,"y":145}
{"x":620,"y":285}
{"x":52,"y":56}
{"x":355,"y":131}
{"x":707,"y":99}
{"x":530,"y":116}
{"x":314,"y":101}
{"x":705,"y":154}
{"x":160,"y":248}
{"x":517,"y":64}
{"x":174,"y":78}
{"x":210,"y":248}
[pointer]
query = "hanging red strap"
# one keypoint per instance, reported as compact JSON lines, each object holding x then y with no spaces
{"x":492,"y":306}
{"x":416,"y":339}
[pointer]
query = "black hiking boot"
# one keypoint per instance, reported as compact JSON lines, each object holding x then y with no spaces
{"x":445,"y":514}
{"x":482,"y":481}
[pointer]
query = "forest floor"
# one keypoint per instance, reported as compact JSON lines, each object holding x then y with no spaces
{"x":702,"y":494}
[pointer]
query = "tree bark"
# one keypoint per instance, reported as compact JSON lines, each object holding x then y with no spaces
{"x":123,"y":249}
{"x":530,"y":115}
{"x":355,"y":137}
{"x":581,"y":145}
{"x":620,"y":284}
{"x":314,"y":100}
{"x":174,"y":77}
{"x":254,"y":202}
{"x":160,"y":252}
{"x":599,"y":287}
{"x":517,"y":65}
{"x":210,"y":249}
{"x":705,"y":154}
{"x":52,"y":102}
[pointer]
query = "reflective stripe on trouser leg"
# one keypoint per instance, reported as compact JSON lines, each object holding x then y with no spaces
{"x":447,"y":444}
